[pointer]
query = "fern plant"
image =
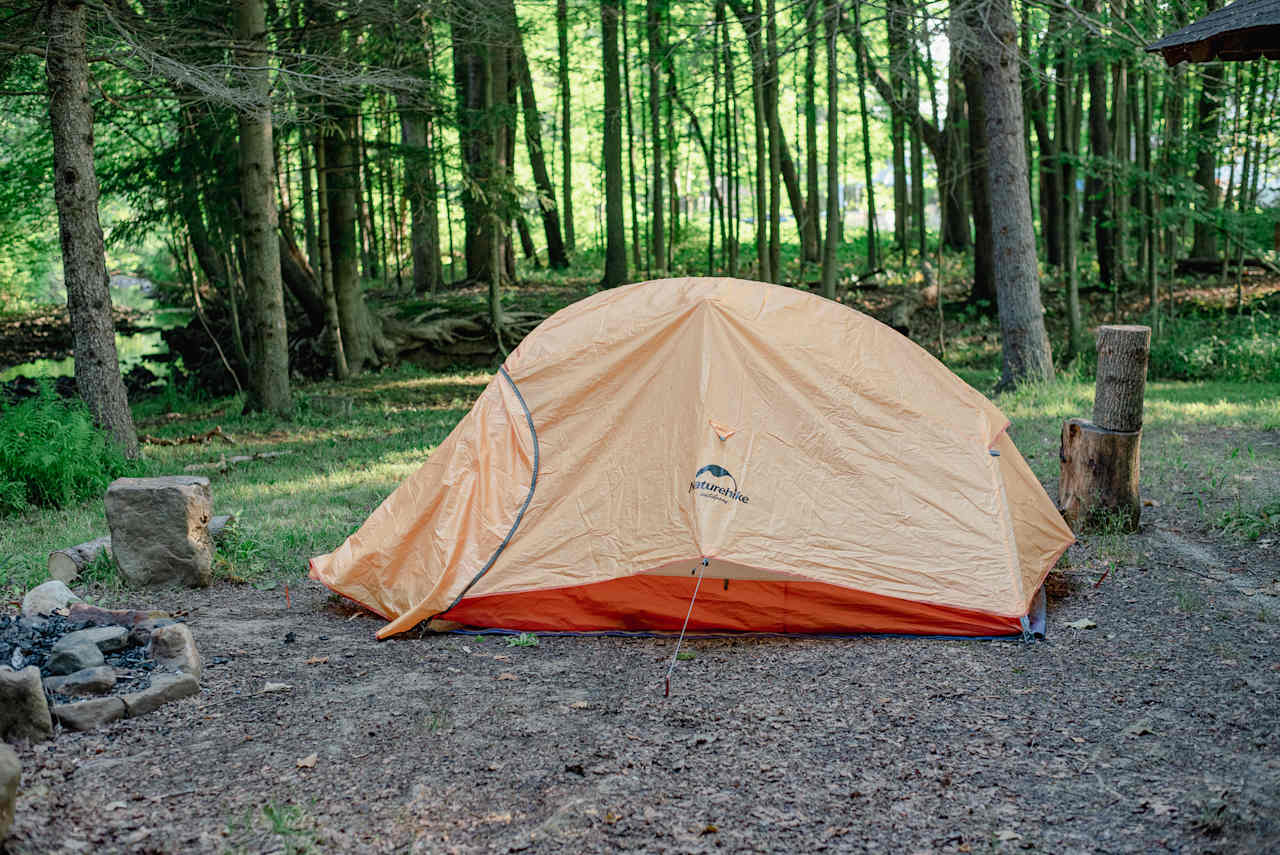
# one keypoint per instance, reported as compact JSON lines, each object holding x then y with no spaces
{"x":52,"y":455}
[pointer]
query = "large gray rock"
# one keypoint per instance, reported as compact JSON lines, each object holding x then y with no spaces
{"x":24,"y":711}
{"x":87,"y":681}
{"x":47,"y":598}
{"x":10,"y":776}
{"x":159,"y":529}
{"x":163,"y":689}
{"x":88,"y":715}
{"x":174,"y":650}
{"x":108,"y":639}
{"x":73,"y":658}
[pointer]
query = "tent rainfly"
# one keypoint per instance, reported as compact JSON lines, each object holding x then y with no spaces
{"x":1245,"y":30}
{"x":802,"y":466}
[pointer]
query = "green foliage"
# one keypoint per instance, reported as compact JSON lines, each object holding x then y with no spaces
{"x":524,"y":639}
{"x":52,"y":455}
{"x":1251,"y":524}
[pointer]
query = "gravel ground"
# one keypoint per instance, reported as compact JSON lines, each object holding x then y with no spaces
{"x":1155,"y":730}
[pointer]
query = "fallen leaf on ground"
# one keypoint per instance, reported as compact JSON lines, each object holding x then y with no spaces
{"x":579,"y":705}
{"x":502,"y":657}
{"x":317,"y":660}
{"x":1083,"y":623}
{"x":1007,"y":834}
{"x":308,"y":762}
{"x":1139,"y":728}
{"x":506,"y":675}
{"x":276,"y":687}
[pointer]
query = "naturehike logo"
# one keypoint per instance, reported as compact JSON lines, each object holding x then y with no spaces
{"x":717,"y":489}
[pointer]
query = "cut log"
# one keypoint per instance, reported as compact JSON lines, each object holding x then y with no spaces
{"x":1098,"y":489}
{"x":1213,"y":266}
{"x":66,"y":564}
{"x":1122,"y":377}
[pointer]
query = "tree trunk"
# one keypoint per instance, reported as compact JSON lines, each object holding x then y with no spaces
{"x":653,"y":26}
{"x":809,"y":230}
{"x":417,"y":138}
{"x":332,"y":324}
{"x":615,"y":261}
{"x":269,"y":359}
{"x":1100,"y":147}
{"x":953,"y":186}
{"x":1024,"y":343}
{"x":1205,"y":242}
{"x":566,"y":120}
{"x":829,"y":267}
{"x":556,"y":257}
{"x":75,"y":186}
{"x":632,"y":196}
{"x":479,"y":68}
{"x":344,"y":249}
{"x":984,"y":273}
{"x":895,"y":13}
{"x":308,"y":200}
{"x":771,"y":91}
{"x":873,"y":231}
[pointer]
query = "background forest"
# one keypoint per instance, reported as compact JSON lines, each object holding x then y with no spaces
{"x":328,"y":187}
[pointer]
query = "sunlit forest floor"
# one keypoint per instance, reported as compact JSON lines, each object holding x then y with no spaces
{"x":1155,"y":729}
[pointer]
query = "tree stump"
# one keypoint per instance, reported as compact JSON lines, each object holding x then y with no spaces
{"x":1099,"y":483}
{"x":1098,"y":487}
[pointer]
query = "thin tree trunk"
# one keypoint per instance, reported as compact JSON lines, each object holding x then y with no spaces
{"x":830,"y":272}
{"x":809,"y":231}
{"x":895,"y":13}
{"x":984,"y":262}
{"x":566,"y":121}
{"x":417,"y":139}
{"x":631,"y":143}
{"x":1100,"y":147}
{"x":556,"y":257}
{"x":308,"y":200}
{"x":76,"y":195}
{"x":269,"y":363}
{"x":657,"y":211}
{"x":615,"y":261}
{"x":332,"y":323}
{"x":873,"y":237}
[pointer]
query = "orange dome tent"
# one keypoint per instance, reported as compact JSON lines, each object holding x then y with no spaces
{"x":813,"y":469}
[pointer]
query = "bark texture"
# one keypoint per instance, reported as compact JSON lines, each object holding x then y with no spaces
{"x":75,"y":191}
{"x":1024,"y":343}
{"x":615,"y":254}
{"x":269,"y":362}
{"x":1098,"y":487}
{"x":1122,"y":377}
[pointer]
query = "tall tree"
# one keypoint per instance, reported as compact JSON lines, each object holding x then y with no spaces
{"x":566,"y":120}
{"x":1024,"y":342}
{"x":269,"y":362}
{"x":1100,"y":147}
{"x":656,"y":54}
{"x":419,"y":138}
{"x":615,"y":258}
{"x":829,"y":267}
{"x":556,"y":257}
{"x":1205,"y":242}
{"x":75,"y":191}
{"x":809,"y":230}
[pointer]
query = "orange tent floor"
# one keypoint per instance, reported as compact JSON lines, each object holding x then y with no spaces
{"x":650,"y":603}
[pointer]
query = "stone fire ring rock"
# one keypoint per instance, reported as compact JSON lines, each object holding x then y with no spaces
{"x":10,"y":775}
{"x":177,"y":676}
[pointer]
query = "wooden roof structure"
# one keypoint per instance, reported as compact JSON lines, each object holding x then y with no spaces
{"x":1244,"y":30}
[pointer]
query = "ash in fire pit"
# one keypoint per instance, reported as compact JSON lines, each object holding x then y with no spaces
{"x":126,"y":662}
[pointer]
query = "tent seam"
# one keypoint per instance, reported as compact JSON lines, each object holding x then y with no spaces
{"x":533,"y":484}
